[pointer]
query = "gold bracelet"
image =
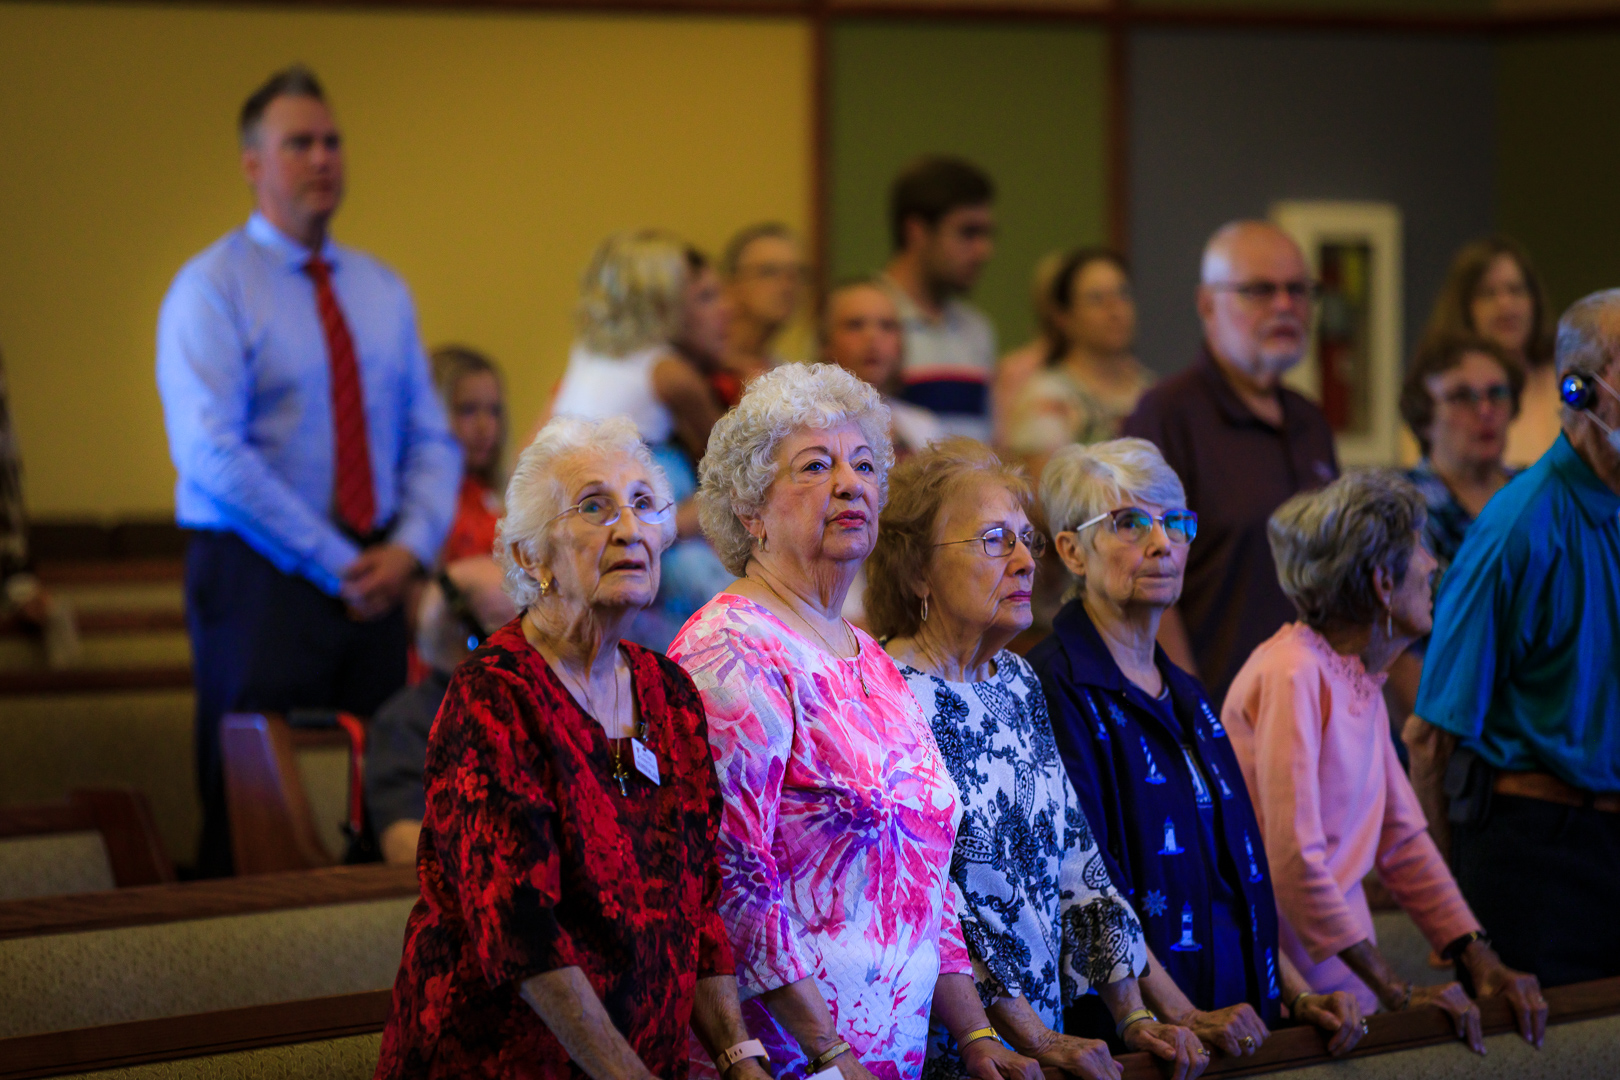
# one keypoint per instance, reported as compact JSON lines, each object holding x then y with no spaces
{"x":975,"y":1035}
{"x":1132,"y":1017}
{"x":825,"y":1058}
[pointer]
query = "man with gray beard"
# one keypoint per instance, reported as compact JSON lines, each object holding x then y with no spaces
{"x":1241,"y":443}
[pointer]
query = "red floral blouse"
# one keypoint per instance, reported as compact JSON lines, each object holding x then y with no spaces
{"x":531,"y":860}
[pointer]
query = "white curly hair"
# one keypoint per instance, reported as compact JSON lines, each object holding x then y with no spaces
{"x":535,"y":495}
{"x":741,"y":463}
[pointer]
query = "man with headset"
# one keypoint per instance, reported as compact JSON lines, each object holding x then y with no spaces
{"x":1516,"y":736}
{"x":459,"y":608}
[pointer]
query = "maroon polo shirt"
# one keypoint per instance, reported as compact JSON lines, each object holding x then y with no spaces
{"x":1237,"y":469}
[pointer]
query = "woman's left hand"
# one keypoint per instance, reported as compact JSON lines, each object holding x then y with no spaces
{"x":1236,"y":1030}
{"x":1070,"y":1055}
{"x":1337,"y":1013}
{"x":990,"y":1059}
{"x":1492,"y":978}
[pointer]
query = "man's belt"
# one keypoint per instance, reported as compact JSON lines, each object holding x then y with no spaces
{"x":1548,"y":788}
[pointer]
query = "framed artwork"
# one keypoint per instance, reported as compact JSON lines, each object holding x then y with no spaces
{"x":1353,"y":367}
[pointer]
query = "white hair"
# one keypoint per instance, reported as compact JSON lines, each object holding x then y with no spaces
{"x":1586,"y":333}
{"x":1080,"y":482}
{"x":535,"y":495}
{"x":741,"y":463}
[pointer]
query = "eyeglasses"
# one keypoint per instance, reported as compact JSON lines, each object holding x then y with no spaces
{"x":1264,"y":292}
{"x":604,"y":511}
{"x":1468,"y":397}
{"x":1000,"y":542}
{"x":1134,"y":524}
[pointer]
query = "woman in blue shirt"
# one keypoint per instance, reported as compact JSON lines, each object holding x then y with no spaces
{"x":1146,"y":753}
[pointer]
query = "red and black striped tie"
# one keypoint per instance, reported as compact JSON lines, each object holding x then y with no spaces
{"x":356,"y":501}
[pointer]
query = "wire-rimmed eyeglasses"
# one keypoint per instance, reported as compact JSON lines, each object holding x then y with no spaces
{"x":1134,"y":524}
{"x":1000,"y":542}
{"x":604,"y":510}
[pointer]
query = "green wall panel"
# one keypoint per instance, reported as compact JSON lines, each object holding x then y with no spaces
{"x":1558,"y":160}
{"x":1026,"y":102}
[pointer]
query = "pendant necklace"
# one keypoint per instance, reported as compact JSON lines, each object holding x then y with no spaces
{"x":619,"y":772}
{"x":854,"y":642}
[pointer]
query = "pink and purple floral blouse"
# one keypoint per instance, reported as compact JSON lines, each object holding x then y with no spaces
{"x":836,"y":837}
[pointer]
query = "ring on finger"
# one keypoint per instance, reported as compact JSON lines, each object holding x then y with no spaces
{"x":1247,"y":1042}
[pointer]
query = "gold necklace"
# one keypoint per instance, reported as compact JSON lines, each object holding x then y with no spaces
{"x":854,"y":642}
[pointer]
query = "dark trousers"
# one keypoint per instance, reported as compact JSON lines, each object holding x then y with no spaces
{"x":1544,"y":880}
{"x":266,"y":641}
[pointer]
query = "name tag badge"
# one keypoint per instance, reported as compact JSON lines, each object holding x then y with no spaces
{"x":646,"y":760}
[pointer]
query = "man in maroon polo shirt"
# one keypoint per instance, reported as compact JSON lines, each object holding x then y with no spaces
{"x":1241,"y":443}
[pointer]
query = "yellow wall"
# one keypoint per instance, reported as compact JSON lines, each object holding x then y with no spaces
{"x":487,"y":155}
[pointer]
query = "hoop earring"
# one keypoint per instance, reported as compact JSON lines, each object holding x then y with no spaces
{"x":925,"y":609}
{"x":1389,"y":622}
{"x":759,"y":541}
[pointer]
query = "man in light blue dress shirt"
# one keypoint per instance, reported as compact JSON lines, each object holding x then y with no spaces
{"x":295,"y":390}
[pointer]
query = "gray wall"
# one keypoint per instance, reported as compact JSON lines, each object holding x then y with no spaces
{"x":1224,"y":123}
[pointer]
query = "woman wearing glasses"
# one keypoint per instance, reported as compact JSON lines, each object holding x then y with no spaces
{"x":568,"y":922}
{"x":952,"y":575}
{"x":835,"y":846}
{"x":1152,"y":766}
{"x":1308,"y":724}
{"x":1461,"y":394}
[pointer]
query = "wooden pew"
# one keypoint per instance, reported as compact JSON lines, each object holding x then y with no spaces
{"x":331,"y":1038}
{"x":133,"y":738}
{"x":169,"y":950}
{"x":338,"y":1039}
{"x":100,"y":838}
{"x":290,"y":791}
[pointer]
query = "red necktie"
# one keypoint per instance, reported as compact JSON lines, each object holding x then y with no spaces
{"x":356,"y":501}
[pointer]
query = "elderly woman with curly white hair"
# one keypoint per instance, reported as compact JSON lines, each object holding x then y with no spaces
{"x":840,"y":814}
{"x":1308,"y":724}
{"x":568,"y":923}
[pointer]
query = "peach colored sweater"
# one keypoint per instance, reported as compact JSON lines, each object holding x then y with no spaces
{"x":1311,"y":731}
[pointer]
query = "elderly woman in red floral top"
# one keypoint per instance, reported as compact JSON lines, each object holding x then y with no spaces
{"x":567,"y":924}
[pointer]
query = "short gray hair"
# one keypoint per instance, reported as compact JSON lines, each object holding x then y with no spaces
{"x":1080,"y":482}
{"x":1328,"y":543}
{"x":741,"y":463}
{"x":535,"y":495}
{"x":1586,"y":333}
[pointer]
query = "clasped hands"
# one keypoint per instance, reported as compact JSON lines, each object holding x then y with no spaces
{"x":371,"y":586}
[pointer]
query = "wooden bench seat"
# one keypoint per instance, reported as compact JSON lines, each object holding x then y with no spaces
{"x":337,"y":1038}
{"x":140,"y":739}
{"x":331,"y":1038}
{"x":169,"y":950}
{"x":96,"y":839}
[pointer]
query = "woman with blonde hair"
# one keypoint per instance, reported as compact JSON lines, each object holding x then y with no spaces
{"x":643,"y":296}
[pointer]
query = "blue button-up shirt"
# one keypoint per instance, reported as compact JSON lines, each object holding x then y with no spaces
{"x":1524,"y":662}
{"x":1171,"y":816}
{"x":243,"y":371}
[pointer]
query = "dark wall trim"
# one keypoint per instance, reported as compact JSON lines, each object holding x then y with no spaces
{"x":150,"y":904}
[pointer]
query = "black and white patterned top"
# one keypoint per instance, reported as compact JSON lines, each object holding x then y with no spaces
{"x":1041,"y":917}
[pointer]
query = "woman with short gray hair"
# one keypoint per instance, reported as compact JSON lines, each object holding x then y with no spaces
{"x":1309,"y":726}
{"x":840,"y":814}
{"x":535,"y":947}
{"x":1152,"y":766}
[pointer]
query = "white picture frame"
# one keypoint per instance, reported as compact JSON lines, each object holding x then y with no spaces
{"x":1367,"y":430}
